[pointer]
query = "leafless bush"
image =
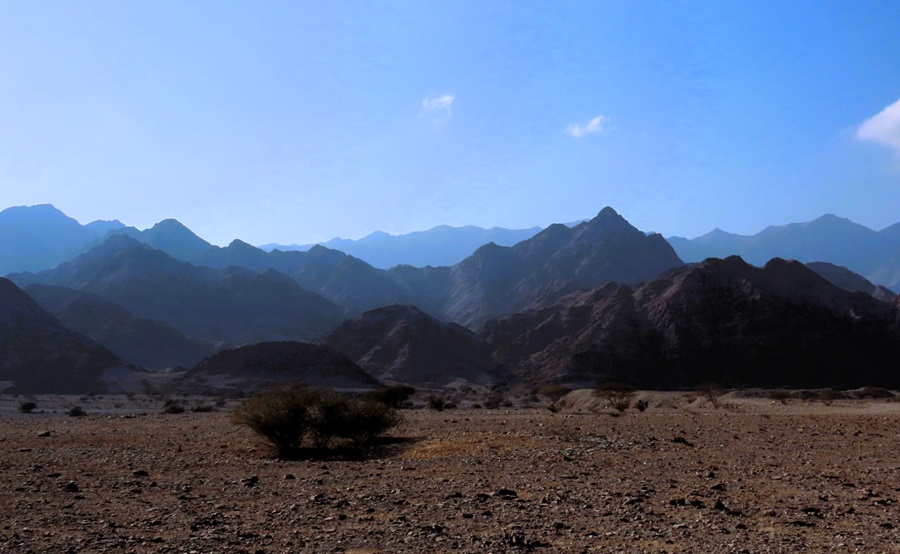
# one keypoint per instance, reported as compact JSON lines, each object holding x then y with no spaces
{"x":618,"y":395}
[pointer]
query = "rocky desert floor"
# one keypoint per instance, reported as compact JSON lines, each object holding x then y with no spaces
{"x":682,"y":476}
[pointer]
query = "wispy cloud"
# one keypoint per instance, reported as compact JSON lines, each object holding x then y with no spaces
{"x":437,"y":106}
{"x":595,"y":125}
{"x":883,"y":127}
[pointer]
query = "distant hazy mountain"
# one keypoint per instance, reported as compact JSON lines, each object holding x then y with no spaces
{"x":257,"y":367}
{"x":850,"y":281}
{"x":41,"y":237}
{"x":440,"y":246}
{"x":405,"y":345}
{"x":39,"y":355}
{"x":233,"y":305}
{"x":874,"y":255}
{"x":147,"y":343}
{"x":721,"y":320}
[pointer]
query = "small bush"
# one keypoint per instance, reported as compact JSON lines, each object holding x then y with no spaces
{"x":394,"y":396}
{"x":495,"y":400}
{"x":712,"y":392}
{"x":202,"y":408}
{"x":782,"y":396}
{"x":27,"y":407}
{"x":436,"y":402}
{"x":554,"y":392}
{"x":618,"y":395}
{"x":287,"y":415}
{"x":172,"y":407}
{"x":77,"y":411}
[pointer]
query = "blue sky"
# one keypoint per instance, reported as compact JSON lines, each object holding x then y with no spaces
{"x":296,"y":122}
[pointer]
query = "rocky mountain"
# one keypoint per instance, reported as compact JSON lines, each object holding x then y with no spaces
{"x":259,"y":366}
{"x":440,"y":246}
{"x":42,"y":237}
{"x":721,"y":320}
{"x":498,"y":280}
{"x":874,"y":255}
{"x":233,"y":305}
{"x":145,"y":342}
{"x":39,"y":355}
{"x":402,"y":344}
{"x":850,"y":281}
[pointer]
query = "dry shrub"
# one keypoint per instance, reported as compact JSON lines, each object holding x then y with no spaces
{"x":712,"y":392}
{"x":618,"y":395}
{"x":554,"y":391}
{"x":287,"y":415}
{"x":394,"y":395}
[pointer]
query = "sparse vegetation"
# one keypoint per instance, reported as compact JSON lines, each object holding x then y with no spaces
{"x":782,"y":396}
{"x":436,"y":402}
{"x":77,"y":411}
{"x":27,"y":407}
{"x":394,"y":395}
{"x":554,"y":391}
{"x":288,"y":415}
{"x":618,"y":395}
{"x":172,"y":406}
{"x":202,"y":408}
{"x":712,"y":392}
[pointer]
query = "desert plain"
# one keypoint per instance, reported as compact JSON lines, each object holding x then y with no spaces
{"x":750,"y":476}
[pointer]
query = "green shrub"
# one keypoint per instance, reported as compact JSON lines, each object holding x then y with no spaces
{"x":27,"y":407}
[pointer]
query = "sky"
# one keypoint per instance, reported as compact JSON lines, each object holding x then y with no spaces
{"x":296,"y":122}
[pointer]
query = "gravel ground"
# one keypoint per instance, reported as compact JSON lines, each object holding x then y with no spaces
{"x":752,"y":476}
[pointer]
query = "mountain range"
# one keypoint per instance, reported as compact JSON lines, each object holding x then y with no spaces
{"x":576,"y":303}
{"x":873,"y":254}
{"x":440,"y":246}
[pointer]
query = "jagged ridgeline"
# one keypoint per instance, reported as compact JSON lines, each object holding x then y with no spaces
{"x":575,"y":304}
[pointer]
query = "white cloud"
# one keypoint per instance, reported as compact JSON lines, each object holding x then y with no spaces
{"x":437,"y":106}
{"x":595,"y":125}
{"x":883,"y":127}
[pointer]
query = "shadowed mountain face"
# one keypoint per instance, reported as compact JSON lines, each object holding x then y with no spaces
{"x":41,"y":356}
{"x":145,"y":342}
{"x":405,"y":345}
{"x":234,"y":305}
{"x":874,"y":255}
{"x":259,"y":366}
{"x":722,"y":320}
{"x":41,"y":237}
{"x":558,"y":260}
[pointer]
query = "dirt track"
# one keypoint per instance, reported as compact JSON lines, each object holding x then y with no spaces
{"x":751,"y":477}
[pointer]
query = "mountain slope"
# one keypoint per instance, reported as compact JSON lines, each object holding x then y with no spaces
{"x":403,"y":344}
{"x":41,"y":237}
{"x":147,"y":343}
{"x":497,"y":280}
{"x":721,"y":320}
{"x":234,"y":305}
{"x":259,"y":366}
{"x":39,"y":355}
{"x":874,"y":255}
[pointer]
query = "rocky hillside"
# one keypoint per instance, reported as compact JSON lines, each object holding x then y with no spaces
{"x":721,"y":320}
{"x":259,"y":366}
{"x":39,"y":355}
{"x":403,"y":344}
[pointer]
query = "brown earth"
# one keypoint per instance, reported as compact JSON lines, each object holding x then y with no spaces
{"x":751,"y":476}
